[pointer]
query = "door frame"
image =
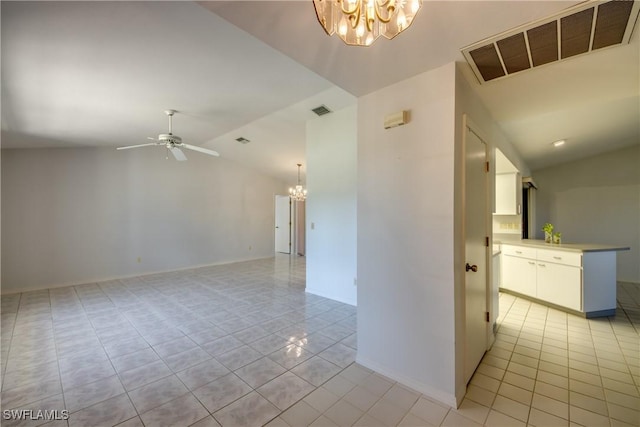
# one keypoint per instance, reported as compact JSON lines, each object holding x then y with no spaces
{"x":467,"y":123}
{"x":275,"y":229}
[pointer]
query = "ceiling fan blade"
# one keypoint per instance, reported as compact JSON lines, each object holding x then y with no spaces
{"x":151,"y":138}
{"x":178,"y":154}
{"x":201,"y":150}
{"x":137,"y":146}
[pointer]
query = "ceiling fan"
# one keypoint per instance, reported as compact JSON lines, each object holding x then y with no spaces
{"x":172,"y":142}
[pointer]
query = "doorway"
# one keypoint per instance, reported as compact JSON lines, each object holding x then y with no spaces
{"x":476,"y":249}
{"x":283,"y":224}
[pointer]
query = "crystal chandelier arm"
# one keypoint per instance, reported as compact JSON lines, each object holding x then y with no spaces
{"x":356,"y":7}
{"x":390,"y":5}
{"x":353,"y":14}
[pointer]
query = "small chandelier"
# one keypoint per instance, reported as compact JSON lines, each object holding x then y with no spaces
{"x":361,"y":22}
{"x":298,"y":193}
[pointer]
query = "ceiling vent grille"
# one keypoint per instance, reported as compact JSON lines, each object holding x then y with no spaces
{"x":321,"y":110}
{"x":578,"y":30}
{"x":243,"y":140}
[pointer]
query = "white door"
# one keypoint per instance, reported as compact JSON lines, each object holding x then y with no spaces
{"x":283,"y":224}
{"x":476,"y":269}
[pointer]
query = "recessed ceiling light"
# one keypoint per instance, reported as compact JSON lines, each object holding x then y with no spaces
{"x":558,"y":143}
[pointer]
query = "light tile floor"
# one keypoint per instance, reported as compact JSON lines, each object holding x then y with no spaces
{"x":243,"y":345}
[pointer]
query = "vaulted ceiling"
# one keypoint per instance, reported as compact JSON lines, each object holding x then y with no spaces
{"x":101,"y":74}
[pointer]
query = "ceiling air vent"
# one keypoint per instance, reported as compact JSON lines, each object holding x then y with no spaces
{"x":578,"y":30}
{"x":243,"y":140}
{"x":321,"y":110}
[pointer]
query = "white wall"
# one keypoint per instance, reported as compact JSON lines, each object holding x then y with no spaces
{"x":79,"y":215}
{"x":331,"y":205}
{"x":406,"y":234}
{"x":596,"y":200}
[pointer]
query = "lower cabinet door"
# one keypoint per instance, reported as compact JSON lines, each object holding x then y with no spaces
{"x":560,"y":284}
{"x":519,"y":275}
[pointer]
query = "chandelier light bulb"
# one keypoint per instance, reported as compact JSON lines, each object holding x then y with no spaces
{"x":369,"y":39}
{"x":360,"y":30}
{"x":361,"y":22}
{"x":342,"y":29}
{"x":299,"y":193}
{"x":402,"y":20}
{"x":415,"y":5}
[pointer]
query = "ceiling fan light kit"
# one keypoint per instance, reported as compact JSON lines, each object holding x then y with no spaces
{"x":361,"y":22}
{"x":172,"y":142}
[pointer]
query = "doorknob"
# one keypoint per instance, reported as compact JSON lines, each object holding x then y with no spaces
{"x":473,"y":268}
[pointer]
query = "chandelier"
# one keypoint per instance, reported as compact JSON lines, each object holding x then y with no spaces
{"x":361,"y":22}
{"x":298,"y":193}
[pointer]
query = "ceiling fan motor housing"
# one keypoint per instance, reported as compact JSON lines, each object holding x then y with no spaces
{"x":169,"y":138}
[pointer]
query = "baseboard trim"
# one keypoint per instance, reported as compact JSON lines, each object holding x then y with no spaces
{"x":435,"y":394}
{"x":129,"y":276}
{"x":331,"y":297}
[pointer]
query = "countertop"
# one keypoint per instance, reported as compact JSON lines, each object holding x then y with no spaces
{"x":571,"y":247}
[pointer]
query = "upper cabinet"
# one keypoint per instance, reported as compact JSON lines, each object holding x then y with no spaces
{"x":508,"y":188}
{"x":508,"y":193}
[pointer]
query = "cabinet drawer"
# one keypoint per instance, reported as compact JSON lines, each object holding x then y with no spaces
{"x":521,"y":251}
{"x":560,"y":257}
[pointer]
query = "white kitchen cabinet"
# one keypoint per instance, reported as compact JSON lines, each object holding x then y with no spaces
{"x":519,"y":274}
{"x":508,"y":193}
{"x":541,"y":274}
{"x":559,"y":284}
{"x":581,"y":278}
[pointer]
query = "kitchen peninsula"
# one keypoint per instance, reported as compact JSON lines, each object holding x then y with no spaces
{"x":579,"y":278}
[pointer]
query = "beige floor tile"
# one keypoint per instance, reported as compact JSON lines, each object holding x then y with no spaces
{"x":549,"y":390}
{"x":361,"y":398}
{"x":321,"y":399}
{"x":511,"y":408}
{"x":376,"y":384}
{"x":519,"y":381}
{"x":473,"y":411}
{"x":301,"y":414}
{"x":485,"y":382}
{"x":339,"y":385}
{"x":525,"y":371}
{"x":622,"y":413}
{"x":429,"y":411}
{"x":587,"y":418}
{"x":515,"y":393}
{"x":539,"y":418}
{"x":411,"y":420}
{"x":497,"y":419}
{"x":588,"y":403}
{"x":622,"y":399}
{"x":455,"y":419}
{"x":367,"y":420}
{"x":551,"y":406}
{"x":562,"y":370}
{"x":323,"y":421}
{"x":343,"y":413}
{"x":480,"y":395}
{"x":401,"y":396}
{"x":387,"y":412}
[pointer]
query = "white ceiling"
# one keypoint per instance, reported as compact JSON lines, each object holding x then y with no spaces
{"x":101,"y":74}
